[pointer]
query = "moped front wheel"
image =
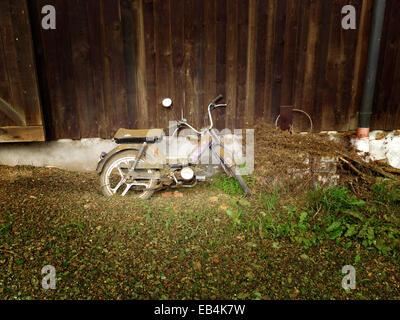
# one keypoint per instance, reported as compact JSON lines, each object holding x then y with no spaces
{"x":112,"y":177}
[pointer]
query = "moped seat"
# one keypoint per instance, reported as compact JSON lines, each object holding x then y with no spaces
{"x":138,"y":135}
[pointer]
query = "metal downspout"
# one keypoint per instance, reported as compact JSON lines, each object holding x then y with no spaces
{"x":378,"y":17}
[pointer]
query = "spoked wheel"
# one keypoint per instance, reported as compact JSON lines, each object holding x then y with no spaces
{"x":112,"y":177}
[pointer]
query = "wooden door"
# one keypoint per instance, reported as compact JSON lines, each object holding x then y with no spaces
{"x":20,"y":112}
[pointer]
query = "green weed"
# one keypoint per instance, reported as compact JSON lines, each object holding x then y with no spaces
{"x":386,"y":193}
{"x":270,"y":200}
{"x":77,"y":225}
{"x":229,"y":185}
{"x":344,"y":217}
{"x":6,"y":227}
{"x":334,"y":200}
{"x":332,"y":213}
{"x":237,"y":210}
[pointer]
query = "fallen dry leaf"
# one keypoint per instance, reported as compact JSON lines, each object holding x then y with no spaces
{"x":178,"y":194}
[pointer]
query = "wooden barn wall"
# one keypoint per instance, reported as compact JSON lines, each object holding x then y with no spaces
{"x":109,"y":63}
{"x":20,"y":108}
{"x":386,"y":111}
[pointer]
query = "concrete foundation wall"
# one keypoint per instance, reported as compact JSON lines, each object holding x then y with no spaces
{"x":83,"y":155}
{"x":74,"y":155}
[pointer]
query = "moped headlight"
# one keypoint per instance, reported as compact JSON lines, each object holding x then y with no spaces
{"x":187,"y":173}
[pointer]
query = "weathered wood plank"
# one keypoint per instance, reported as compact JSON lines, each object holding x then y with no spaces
{"x":301,"y":53}
{"x":83,"y":85}
{"x":221,"y":61}
{"x":210,"y":68}
{"x":199,"y":63}
{"x":349,"y":48}
{"x":289,"y":58}
{"x":387,"y":63}
{"x":251,"y":64}
{"x":97,"y":67}
{"x":189,"y":47}
{"x":67,"y":108}
{"x":7,"y":116}
{"x":278,"y":46}
{"x":393,"y":122}
{"x":129,"y":38}
{"x":114,"y":68}
{"x":260,"y":105}
{"x":141,"y":78}
{"x":269,"y":58}
{"x":178,"y":67}
{"x":243,"y":21}
{"x":26,"y":63}
{"x":330,"y":81}
{"x":327,"y":10}
{"x":163,"y":49}
{"x":60,"y":77}
{"x":392,"y":107}
{"x":231,"y":62}
{"x":4,"y":84}
{"x":22,"y":134}
{"x":11,"y":57}
{"x":41,"y":68}
{"x":309,"y":75}
{"x":52,"y":76}
{"x":153,"y":108}
{"x":384,"y":74}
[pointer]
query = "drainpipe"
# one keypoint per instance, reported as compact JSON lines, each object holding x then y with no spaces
{"x":378,"y":17}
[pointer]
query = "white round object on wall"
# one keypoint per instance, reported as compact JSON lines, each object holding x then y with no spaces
{"x":167,"y":102}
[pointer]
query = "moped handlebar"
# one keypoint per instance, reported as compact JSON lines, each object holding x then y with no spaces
{"x":217,"y":99}
{"x":213,"y":105}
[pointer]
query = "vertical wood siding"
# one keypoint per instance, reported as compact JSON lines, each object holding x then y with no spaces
{"x":110,"y":63}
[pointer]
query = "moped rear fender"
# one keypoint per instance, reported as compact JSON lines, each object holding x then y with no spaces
{"x":121,"y":147}
{"x":124,"y":147}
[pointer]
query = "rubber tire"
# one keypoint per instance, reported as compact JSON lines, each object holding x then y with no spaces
{"x":129,"y":153}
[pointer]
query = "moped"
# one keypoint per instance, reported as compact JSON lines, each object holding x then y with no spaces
{"x":136,"y":164}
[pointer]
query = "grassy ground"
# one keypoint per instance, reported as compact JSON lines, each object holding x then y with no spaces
{"x":208,"y":244}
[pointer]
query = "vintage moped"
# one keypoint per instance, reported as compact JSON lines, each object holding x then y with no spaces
{"x":137,"y":164}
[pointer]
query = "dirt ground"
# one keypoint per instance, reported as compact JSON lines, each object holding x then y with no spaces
{"x":201,"y":243}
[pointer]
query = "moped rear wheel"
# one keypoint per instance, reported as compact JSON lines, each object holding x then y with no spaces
{"x":114,"y":171}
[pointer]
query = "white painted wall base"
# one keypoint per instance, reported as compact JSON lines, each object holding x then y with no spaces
{"x":381,"y":145}
{"x":83,"y":155}
{"x":74,"y":155}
